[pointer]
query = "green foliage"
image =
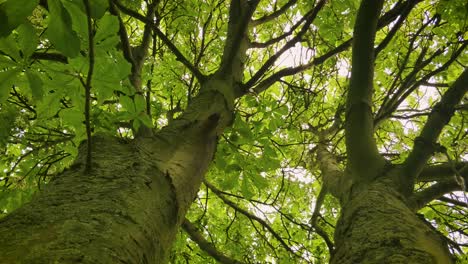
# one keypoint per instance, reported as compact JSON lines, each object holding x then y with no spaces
{"x":266,"y":162}
{"x":60,"y":30}
{"x":7,"y":119}
{"x":13,"y":13}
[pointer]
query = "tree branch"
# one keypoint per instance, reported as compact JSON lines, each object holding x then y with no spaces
{"x":88,"y":84}
{"x":236,"y":44}
{"x":180,"y":57}
{"x":308,"y":19}
{"x":395,"y":28}
{"x":425,"y":144}
{"x":250,"y":216}
{"x":441,"y":172}
{"x":420,"y":199}
{"x":267,"y":82}
{"x":126,"y":49}
{"x":364,"y":160}
{"x":453,"y":201}
{"x":50,"y":57}
{"x":205,"y":245}
{"x":273,"y":15}
{"x":410,"y":83}
{"x":279,"y":38}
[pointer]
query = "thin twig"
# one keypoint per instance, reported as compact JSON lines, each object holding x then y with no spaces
{"x":88,"y":84}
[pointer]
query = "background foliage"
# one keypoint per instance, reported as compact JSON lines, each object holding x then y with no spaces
{"x":261,"y":189}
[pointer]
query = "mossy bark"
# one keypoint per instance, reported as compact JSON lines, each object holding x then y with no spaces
{"x":377,"y":226}
{"x":129,"y":207}
{"x":124,"y":211}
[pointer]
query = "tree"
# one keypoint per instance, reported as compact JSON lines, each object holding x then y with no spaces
{"x":126,"y":120}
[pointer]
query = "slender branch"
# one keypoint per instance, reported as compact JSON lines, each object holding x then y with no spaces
{"x":240,"y":14}
{"x":363,"y":157}
{"x":281,"y":37}
{"x":273,"y":15}
{"x":180,"y":57}
{"x":401,"y":68}
{"x":205,"y":245}
{"x":267,"y":82}
{"x":308,"y":19}
{"x":250,"y":216}
{"x":425,"y":143}
{"x":49,"y":56}
{"x":453,"y":201}
{"x":126,"y":48}
{"x":89,"y":78}
{"x":149,"y":82}
{"x":420,"y":199}
{"x":394,"y":29}
{"x":410,"y":83}
{"x":441,"y":172}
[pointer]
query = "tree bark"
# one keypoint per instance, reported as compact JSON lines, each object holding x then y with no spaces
{"x":124,"y":211}
{"x":378,"y":226}
{"x":129,"y":207}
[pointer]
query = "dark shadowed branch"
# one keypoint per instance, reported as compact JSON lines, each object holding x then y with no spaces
{"x":425,"y":144}
{"x":205,"y":245}
{"x":308,"y":19}
{"x":441,"y":172}
{"x":88,"y":84}
{"x":180,"y":57}
{"x":124,"y":41}
{"x":435,"y":191}
{"x":50,"y":56}
{"x":386,"y":19}
{"x":273,"y":15}
{"x":250,"y":216}
{"x":364,"y":160}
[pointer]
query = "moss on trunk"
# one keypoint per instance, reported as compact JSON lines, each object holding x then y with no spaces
{"x":377,"y":226}
{"x":124,"y":211}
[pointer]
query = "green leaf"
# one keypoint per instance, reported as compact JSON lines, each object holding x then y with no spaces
{"x":259,"y":181}
{"x":145,"y":119}
{"x":140,"y":103}
{"x":136,"y":124}
{"x":13,"y":13}
{"x":8,"y":46}
{"x":60,"y":30}
{"x":230,"y":180}
{"x":98,"y":8}
{"x":72,"y":117}
{"x":6,"y":62}
{"x":7,"y":121}
{"x":78,"y":17}
{"x":233,"y":168}
{"x":27,"y":39}
{"x":7,"y":78}
{"x":128,"y":103}
{"x":35,"y":84}
{"x":107,"y":27}
{"x":220,"y":162}
{"x":246,"y":189}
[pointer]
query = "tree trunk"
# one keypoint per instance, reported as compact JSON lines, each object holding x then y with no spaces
{"x":130,"y":206}
{"x":377,"y":226}
{"x":124,"y":211}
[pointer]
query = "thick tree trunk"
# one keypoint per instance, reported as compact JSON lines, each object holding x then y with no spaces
{"x":124,"y":211}
{"x":377,"y":226}
{"x":130,"y":206}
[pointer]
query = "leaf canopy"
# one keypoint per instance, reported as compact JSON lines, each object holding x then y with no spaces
{"x":264,"y":181}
